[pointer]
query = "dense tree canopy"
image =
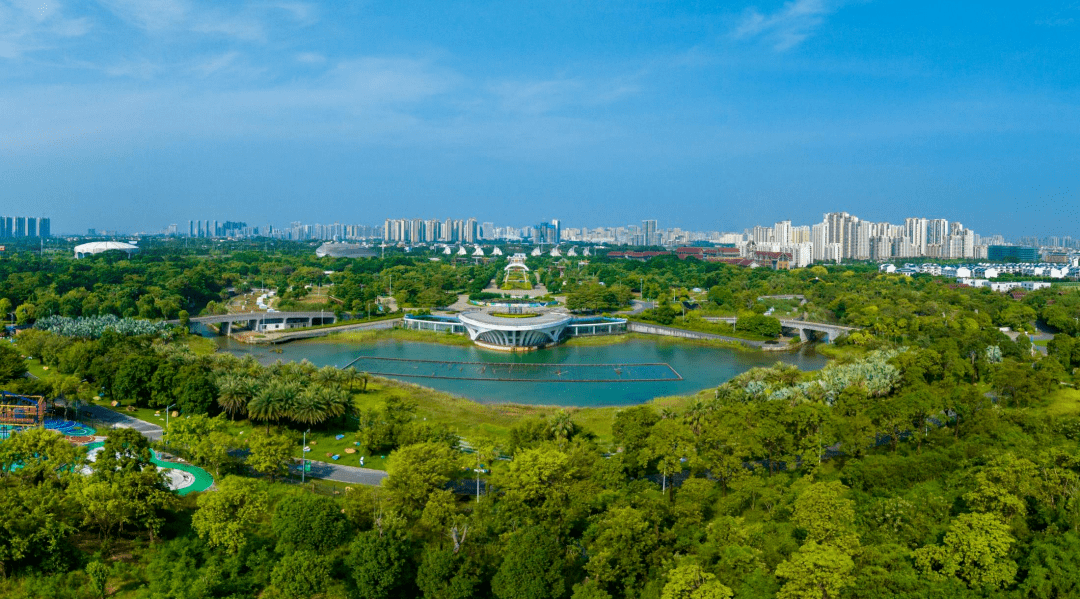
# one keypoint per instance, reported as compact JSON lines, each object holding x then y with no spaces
{"x":935,"y":456}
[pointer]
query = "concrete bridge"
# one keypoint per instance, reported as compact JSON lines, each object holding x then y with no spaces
{"x":806,"y":329}
{"x":648,"y":328}
{"x":263,"y":322}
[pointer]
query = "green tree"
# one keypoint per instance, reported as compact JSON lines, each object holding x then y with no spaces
{"x":270,"y":454}
{"x":301,"y":575}
{"x":759,"y":324}
{"x":309,"y":522}
{"x":691,"y":582}
{"x":98,"y":573}
{"x":669,"y":444}
{"x":823,"y":565}
{"x":631,"y":431}
{"x":12,"y":364}
{"x":975,"y":550}
{"x":133,"y":379}
{"x":197,"y":392}
{"x":234,"y":393}
{"x":532,"y":566}
{"x":38,"y":455}
{"x":445,"y":574}
{"x":25,"y":313}
{"x":621,"y":550}
{"x":227,"y":517}
{"x":417,"y":470}
{"x":36,"y":522}
{"x":125,"y":450}
{"x":379,"y":565}
{"x":827,"y":516}
{"x":815,"y":571}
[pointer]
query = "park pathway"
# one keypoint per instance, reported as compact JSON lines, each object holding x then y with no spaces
{"x":316,"y":469}
{"x":148,"y":430}
{"x":343,"y":474}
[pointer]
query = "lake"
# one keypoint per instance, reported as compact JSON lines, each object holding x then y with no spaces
{"x":699,"y":366}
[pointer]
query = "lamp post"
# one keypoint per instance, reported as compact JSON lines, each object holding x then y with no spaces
{"x":303,"y":459}
{"x":167,"y":408}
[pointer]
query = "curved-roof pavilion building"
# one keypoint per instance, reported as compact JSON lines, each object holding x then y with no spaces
{"x":98,"y":247}
{"x":492,"y":331}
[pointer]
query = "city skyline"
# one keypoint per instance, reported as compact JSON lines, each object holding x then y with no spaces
{"x":837,"y":236}
{"x":122,"y":115}
{"x":488,"y":231}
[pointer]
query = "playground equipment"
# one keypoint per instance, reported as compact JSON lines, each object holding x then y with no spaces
{"x":21,"y":410}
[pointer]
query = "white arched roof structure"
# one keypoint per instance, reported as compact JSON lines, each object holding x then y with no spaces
{"x":97,"y":247}
{"x":517,"y":261}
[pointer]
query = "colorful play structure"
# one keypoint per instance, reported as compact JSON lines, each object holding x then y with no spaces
{"x":18,"y":412}
{"x":21,"y":410}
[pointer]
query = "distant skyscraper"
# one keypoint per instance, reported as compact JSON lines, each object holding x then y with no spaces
{"x":916,"y":229}
{"x":471,"y":232}
{"x":648,"y":232}
{"x":937,"y":230}
{"x":782,"y":232}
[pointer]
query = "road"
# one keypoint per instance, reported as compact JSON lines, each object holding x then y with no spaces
{"x":323,"y":470}
{"x":344,"y":474}
{"x":639,"y":307}
{"x":148,"y":430}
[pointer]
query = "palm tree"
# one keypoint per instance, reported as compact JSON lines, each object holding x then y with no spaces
{"x":350,"y":376}
{"x":310,"y":407}
{"x":328,"y":375}
{"x":339,"y":404}
{"x":235,"y":393}
{"x":263,"y":407}
{"x":274,"y":401}
{"x":562,"y":427}
{"x":695,"y":415}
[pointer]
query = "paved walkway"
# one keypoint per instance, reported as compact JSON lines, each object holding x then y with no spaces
{"x":148,"y":430}
{"x":656,"y":329}
{"x":638,"y":307}
{"x":344,"y":474}
{"x":335,"y":472}
{"x":283,"y":336}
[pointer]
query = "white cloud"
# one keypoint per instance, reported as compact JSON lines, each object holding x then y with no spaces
{"x":302,"y":13}
{"x":151,"y":15}
{"x":243,"y":26}
{"x":158,"y":16}
{"x":31,"y":25}
{"x":216,"y":64}
{"x":538,"y":97}
{"x":787,"y":27}
{"x":310,"y":58}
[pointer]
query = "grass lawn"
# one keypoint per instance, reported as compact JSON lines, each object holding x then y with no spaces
{"x":38,"y":369}
{"x":1063,"y":402}
{"x":836,"y":352}
{"x":398,"y":334}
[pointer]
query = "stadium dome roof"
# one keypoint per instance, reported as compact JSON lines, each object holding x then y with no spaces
{"x":97,"y":247}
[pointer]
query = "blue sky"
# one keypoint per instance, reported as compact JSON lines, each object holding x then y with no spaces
{"x":133,"y":114}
